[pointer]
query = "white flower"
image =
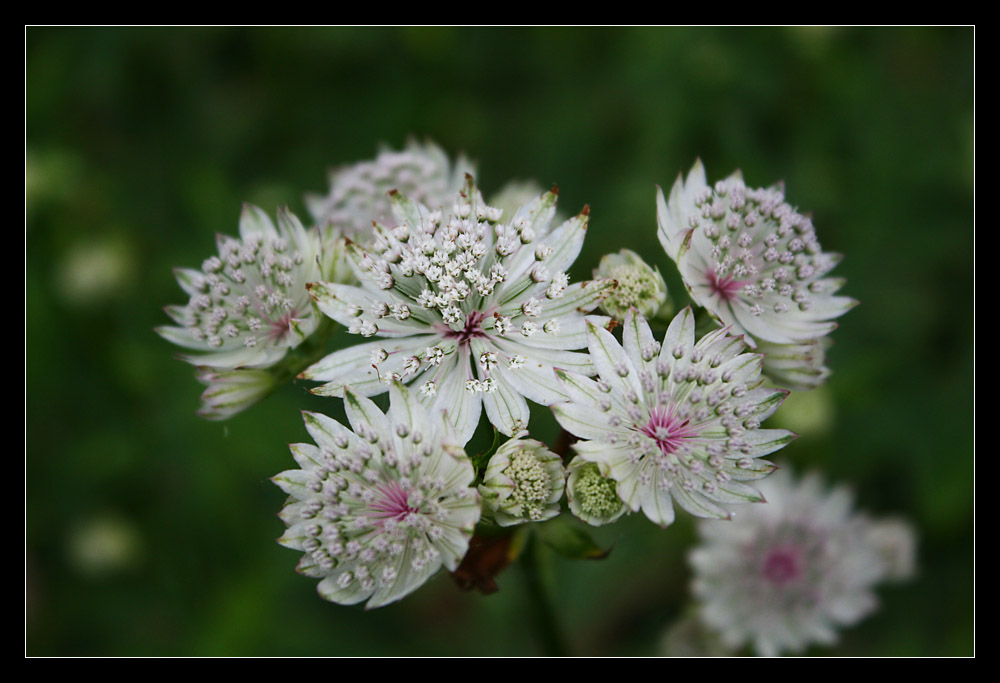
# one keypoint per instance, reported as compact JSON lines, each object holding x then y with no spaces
{"x":787,"y":574}
{"x":484,"y":325}
{"x":750,"y":259}
{"x":379,"y":508}
{"x":593,"y":497}
{"x":249,"y":305}
{"x":358,"y":193}
{"x":639,"y":285}
{"x":799,"y":367}
{"x":523,"y":482}
{"x":673,"y":421}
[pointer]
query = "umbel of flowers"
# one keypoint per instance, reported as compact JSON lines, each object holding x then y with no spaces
{"x":790,"y":573}
{"x":750,"y":259}
{"x":673,"y":420}
{"x":592,"y":497}
{"x":249,"y":304}
{"x":639,"y":286}
{"x":471,"y":311}
{"x":248,"y":308}
{"x":461,"y":309}
{"x":379,"y":508}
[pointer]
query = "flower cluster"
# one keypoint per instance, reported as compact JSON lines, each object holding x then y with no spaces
{"x":472,"y":311}
{"x":463,"y":307}
{"x":750,"y":259}
{"x":639,"y":286}
{"x":249,"y":305}
{"x":378,"y":509}
{"x":677,"y":420}
{"x":592,"y":496}
{"x":358,"y":193}
{"x":789,"y":573}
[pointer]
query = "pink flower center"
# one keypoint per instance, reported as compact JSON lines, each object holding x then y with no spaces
{"x":781,"y":566}
{"x":668,"y":430}
{"x":725,"y":287}
{"x":278,"y":329}
{"x":472,"y":330}
{"x":392,"y":502}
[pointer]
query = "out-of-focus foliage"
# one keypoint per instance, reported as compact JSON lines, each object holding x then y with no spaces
{"x":151,"y":531}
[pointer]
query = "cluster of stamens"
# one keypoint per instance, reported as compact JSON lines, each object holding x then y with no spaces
{"x":452,"y":275}
{"x":372,"y":505}
{"x":762,"y":250}
{"x":532,"y":486}
{"x":252,"y":295}
{"x":696,"y":412}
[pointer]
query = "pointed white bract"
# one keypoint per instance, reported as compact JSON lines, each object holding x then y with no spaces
{"x":515,"y":194}
{"x":358,"y":193}
{"x":523,"y":482}
{"x":750,"y":259}
{"x":677,"y":421}
{"x":249,"y":305}
{"x":788,"y":574}
{"x":471,"y":311}
{"x":379,"y":508}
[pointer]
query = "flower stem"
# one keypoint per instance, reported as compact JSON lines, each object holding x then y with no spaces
{"x":543,"y":613}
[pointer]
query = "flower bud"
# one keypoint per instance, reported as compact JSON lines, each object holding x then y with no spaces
{"x":799,"y":367}
{"x":592,"y":497}
{"x":523,"y":483}
{"x":639,"y":285}
{"x":232,"y":391}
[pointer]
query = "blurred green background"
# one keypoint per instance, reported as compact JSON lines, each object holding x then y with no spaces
{"x":152,"y":532}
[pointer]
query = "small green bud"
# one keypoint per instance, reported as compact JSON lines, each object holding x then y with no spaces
{"x":638,"y":285}
{"x":592,"y":496}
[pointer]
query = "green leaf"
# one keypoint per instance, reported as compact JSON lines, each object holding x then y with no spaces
{"x":570,"y":540}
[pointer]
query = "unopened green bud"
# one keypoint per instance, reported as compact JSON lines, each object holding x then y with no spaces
{"x":639,"y":285}
{"x":592,"y":496}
